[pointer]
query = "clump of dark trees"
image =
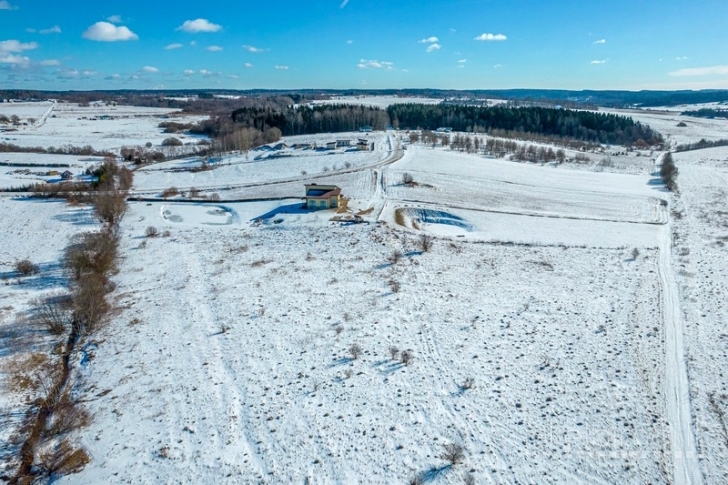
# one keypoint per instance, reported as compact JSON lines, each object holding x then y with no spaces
{"x":669,"y":172}
{"x":250,"y":126}
{"x":707,"y":113}
{"x":567,"y":124}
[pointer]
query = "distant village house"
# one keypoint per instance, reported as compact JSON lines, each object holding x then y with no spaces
{"x":67,"y":175}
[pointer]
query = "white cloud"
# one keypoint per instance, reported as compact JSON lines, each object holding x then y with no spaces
{"x":349,"y":41}
{"x":489,"y":37}
{"x":53,"y":30}
{"x":5,"y":5}
{"x":214,"y":48}
{"x":199,"y":25}
{"x":281,"y":68}
{"x":150,"y":69}
{"x":114,"y":19}
{"x":702,"y":71}
{"x":113,"y":77}
{"x":173,"y":46}
{"x":16,"y":46}
{"x":68,"y":73}
{"x":343,"y":4}
{"x":193,"y":43}
{"x":7,"y":58}
{"x":253,"y":49}
{"x":30,"y":30}
{"x":106,"y":32}
{"x":462,"y":61}
{"x":50,"y":62}
{"x":189,"y":72}
{"x":248,"y":65}
{"x":683,"y":58}
{"x":429,"y":40}
{"x":433,"y":47}
{"x":89,"y":73}
{"x":233,"y":76}
{"x":600,"y":41}
{"x":603,"y":61}
{"x":371,"y":64}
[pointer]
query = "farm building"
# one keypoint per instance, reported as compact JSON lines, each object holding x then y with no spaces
{"x":322,"y":196}
{"x":365,"y":129}
{"x":362,"y":144}
{"x":331,"y":145}
{"x":343,"y":143}
{"x":67,"y":175}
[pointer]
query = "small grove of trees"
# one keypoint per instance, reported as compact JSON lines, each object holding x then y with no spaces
{"x":669,"y":172}
{"x":699,"y":145}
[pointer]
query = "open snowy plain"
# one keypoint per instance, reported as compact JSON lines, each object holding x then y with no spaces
{"x":564,"y":324}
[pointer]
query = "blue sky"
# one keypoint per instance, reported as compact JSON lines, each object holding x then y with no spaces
{"x":340,"y":44}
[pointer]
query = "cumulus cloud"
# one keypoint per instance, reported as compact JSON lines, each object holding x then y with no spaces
{"x":281,"y":68}
{"x":114,"y":19}
{"x":372,"y":64}
{"x":214,"y":48}
{"x":702,"y":71}
{"x":600,"y":41}
{"x":429,"y":40}
{"x":50,"y":62}
{"x":189,"y":72}
{"x":150,"y":69}
{"x":603,"y":61}
{"x":7,"y":58}
{"x":490,"y":37}
{"x":248,"y":65}
{"x":433,"y":47}
{"x":462,"y":61}
{"x":199,"y":25}
{"x":173,"y":46}
{"x":343,"y":4}
{"x":5,"y":5}
{"x":253,"y":49}
{"x":107,"y":32}
{"x":16,"y":46}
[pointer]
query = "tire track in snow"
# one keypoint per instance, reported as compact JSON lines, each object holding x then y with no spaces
{"x":684,"y":453}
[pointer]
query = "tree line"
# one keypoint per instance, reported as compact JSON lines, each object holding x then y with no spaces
{"x":566,"y":124}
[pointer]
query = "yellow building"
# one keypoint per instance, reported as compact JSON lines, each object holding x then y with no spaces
{"x":322,"y":196}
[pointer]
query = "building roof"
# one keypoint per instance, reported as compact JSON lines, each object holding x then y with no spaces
{"x":322,"y":191}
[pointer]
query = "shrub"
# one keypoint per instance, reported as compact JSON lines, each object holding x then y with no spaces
{"x":25,"y":267}
{"x":215,"y":197}
{"x":453,"y":453}
{"x":468,"y":384}
{"x":63,"y":459}
{"x":111,"y":206}
{"x":394,"y":286}
{"x":355,"y":351}
{"x":635,"y":254}
{"x":407,"y":179}
{"x":171,"y":142}
{"x":53,"y":313}
{"x":425,"y":242}
{"x":170,"y":192}
{"x":151,"y":231}
{"x":395,"y":257}
{"x":126,"y":178}
{"x":393,"y":352}
{"x":406,"y":357}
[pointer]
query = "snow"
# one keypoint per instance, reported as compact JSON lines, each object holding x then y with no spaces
{"x":586,"y":306}
{"x":72,"y":124}
{"x":382,"y":102}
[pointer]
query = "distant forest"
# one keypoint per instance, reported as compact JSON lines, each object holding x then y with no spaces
{"x":563,"y":124}
{"x":204,"y":98}
{"x":707,"y":113}
{"x":567,"y":124}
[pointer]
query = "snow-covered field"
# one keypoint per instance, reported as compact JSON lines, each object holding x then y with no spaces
{"x":584,"y":307}
{"x":377,"y":101}
{"x":103,"y":127}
